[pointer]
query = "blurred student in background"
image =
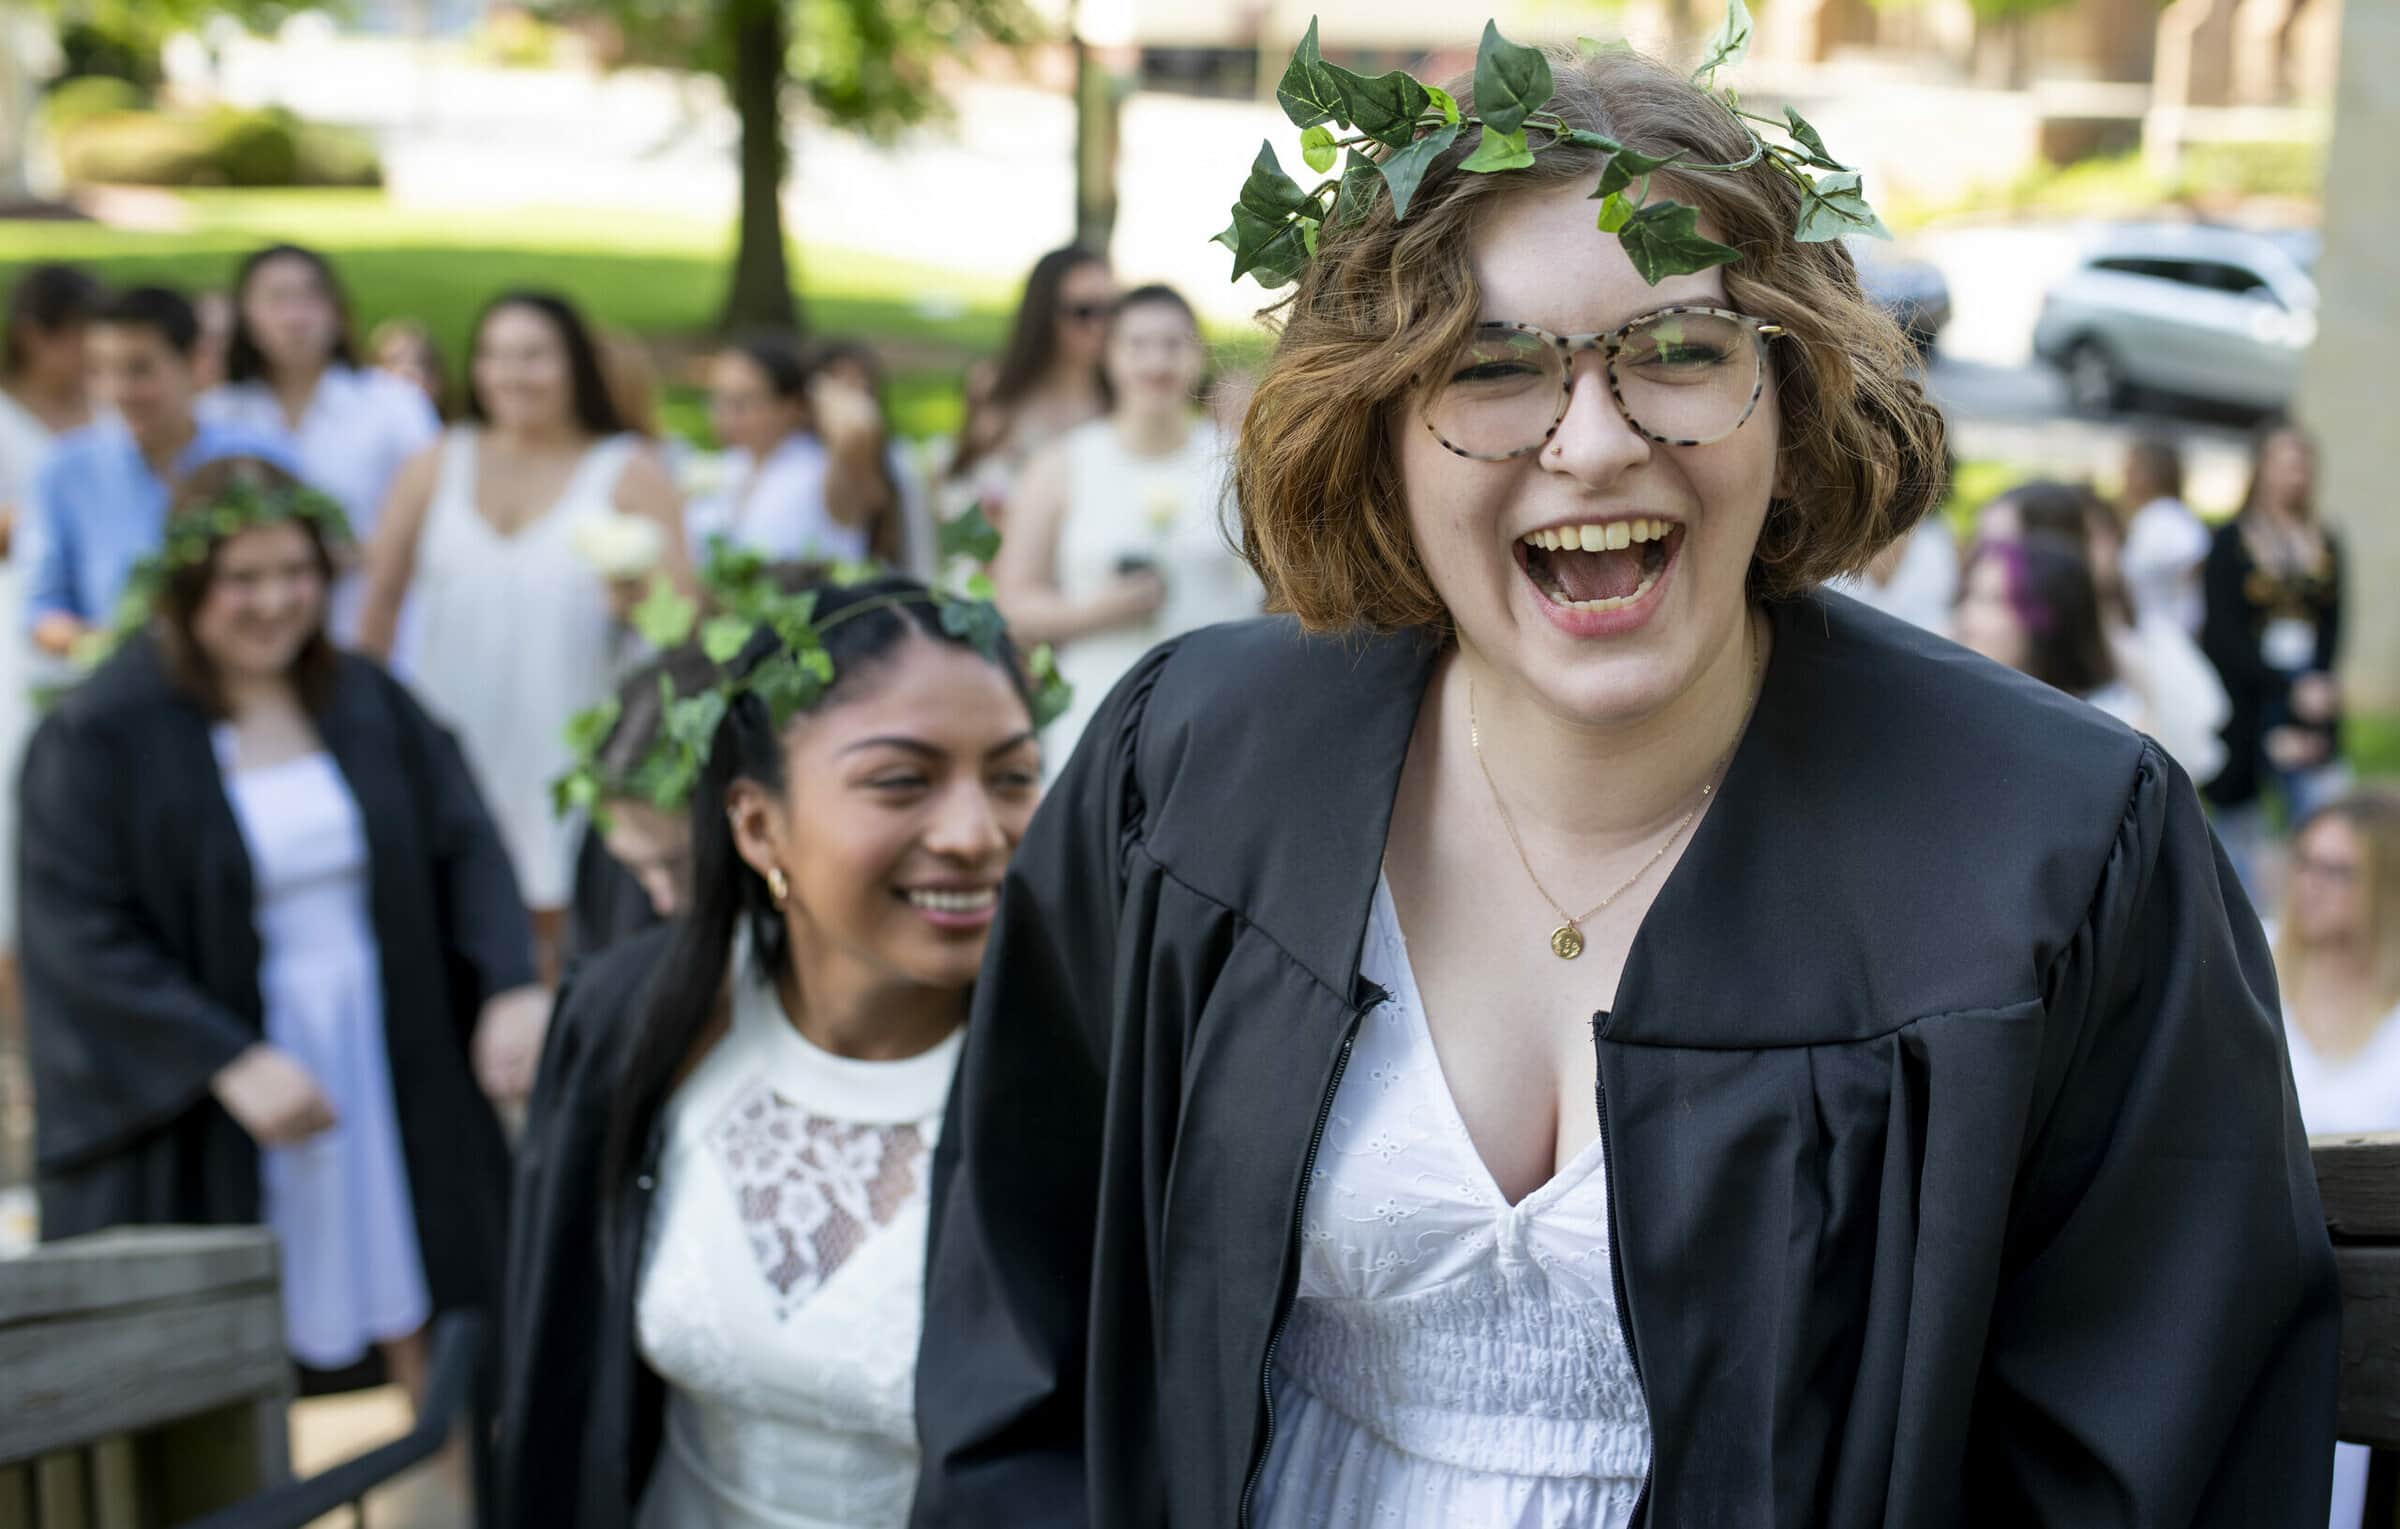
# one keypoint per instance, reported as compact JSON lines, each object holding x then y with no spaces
{"x":42,"y":388}
{"x":405,"y":349}
{"x":1117,"y":535}
{"x":908,"y":541}
{"x":2176,"y":696}
{"x":99,"y":502}
{"x":272,"y":944}
{"x":292,"y":374}
{"x":2337,"y":959}
{"x":2273,"y":626}
{"x":2165,"y":543}
{"x":519,"y":623}
{"x":633,"y":868}
{"x":2030,"y":603}
{"x":1047,"y":381}
{"x":808,"y":478}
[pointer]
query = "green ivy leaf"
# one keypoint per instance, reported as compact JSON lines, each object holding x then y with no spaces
{"x":1317,"y":149}
{"x":1443,"y":102}
{"x":690,"y":722}
{"x":1405,"y":168}
{"x":1269,"y":192}
{"x":1385,"y":108}
{"x":1498,"y":151}
{"x":788,"y":687}
{"x":1626,"y":166}
{"x":979,"y":587}
{"x":968,"y":536}
{"x":590,"y":727}
{"x":1807,"y":137}
{"x":1356,"y":197}
{"x":1614,"y":210}
{"x":848,"y":575}
{"x":666,"y":615}
{"x":1273,"y":250}
{"x":1833,"y":207}
{"x":1663,"y":239}
{"x":1512,"y":81}
{"x":1307,"y":93}
{"x":1052,"y":695}
{"x":723,"y":637}
{"x":977,"y":621}
{"x":1583,"y":138}
{"x":1729,"y":46}
{"x":1594,"y":47}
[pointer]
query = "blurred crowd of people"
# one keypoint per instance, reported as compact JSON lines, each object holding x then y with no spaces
{"x":303,"y":860}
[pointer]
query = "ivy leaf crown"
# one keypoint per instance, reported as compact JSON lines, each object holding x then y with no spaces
{"x":243,"y":504}
{"x":760,"y":636}
{"x":1392,"y":128}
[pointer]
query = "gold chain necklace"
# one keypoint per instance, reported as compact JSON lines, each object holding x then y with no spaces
{"x":1566,"y":941}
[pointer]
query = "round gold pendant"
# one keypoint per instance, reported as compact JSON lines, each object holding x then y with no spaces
{"x":1566,"y":942}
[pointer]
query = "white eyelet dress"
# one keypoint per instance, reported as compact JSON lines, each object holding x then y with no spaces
{"x":1451,"y":1360}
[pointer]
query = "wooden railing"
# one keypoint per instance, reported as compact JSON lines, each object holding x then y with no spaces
{"x":143,"y":1379}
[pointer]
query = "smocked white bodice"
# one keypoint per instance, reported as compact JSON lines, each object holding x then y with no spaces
{"x":1450,"y":1359}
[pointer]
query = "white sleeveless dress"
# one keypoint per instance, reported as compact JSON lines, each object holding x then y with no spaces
{"x":1451,"y":1359}
{"x":339,"y":1203}
{"x":1170,"y":511}
{"x":515,"y":638}
{"x":782,"y":1286}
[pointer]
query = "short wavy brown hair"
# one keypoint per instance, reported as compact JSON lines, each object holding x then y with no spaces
{"x":1323,"y":518}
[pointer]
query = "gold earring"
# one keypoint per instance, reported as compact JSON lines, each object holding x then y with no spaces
{"x":777,"y":887}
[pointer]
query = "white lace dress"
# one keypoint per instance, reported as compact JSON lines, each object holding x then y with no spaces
{"x":782,"y":1285}
{"x":1451,"y":1360}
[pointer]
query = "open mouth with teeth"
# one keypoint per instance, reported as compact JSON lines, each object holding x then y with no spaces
{"x":1603,"y":566}
{"x":953,"y":902}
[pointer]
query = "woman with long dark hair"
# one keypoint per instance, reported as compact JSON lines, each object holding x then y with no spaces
{"x":292,"y":374}
{"x":1046,"y":382}
{"x":2273,"y":627}
{"x":519,"y":628}
{"x":808,"y":476}
{"x":715,"y":1276}
{"x":272,"y":942}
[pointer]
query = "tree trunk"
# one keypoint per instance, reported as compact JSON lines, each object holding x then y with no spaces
{"x":761,"y":294}
{"x":1096,"y":129}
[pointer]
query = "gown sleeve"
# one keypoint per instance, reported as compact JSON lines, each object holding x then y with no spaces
{"x":123,"y":1037}
{"x":2165,"y":1338}
{"x":1000,"y":1374}
{"x":551,"y":1315}
{"x":485,"y":928}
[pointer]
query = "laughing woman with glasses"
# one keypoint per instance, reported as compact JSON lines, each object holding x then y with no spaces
{"x":1572,"y":1025}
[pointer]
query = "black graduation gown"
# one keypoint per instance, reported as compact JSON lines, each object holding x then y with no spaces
{"x":140,"y":956}
{"x":2239,"y":604}
{"x":1956,"y":1175}
{"x":580,"y":1413}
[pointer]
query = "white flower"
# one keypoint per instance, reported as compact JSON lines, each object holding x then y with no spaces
{"x":619,"y":546}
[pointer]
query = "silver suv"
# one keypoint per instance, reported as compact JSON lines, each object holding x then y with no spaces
{"x":2219,"y":314}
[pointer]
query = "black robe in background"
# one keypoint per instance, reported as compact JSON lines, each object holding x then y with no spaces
{"x":1955,"y":1176}
{"x":140,"y":955}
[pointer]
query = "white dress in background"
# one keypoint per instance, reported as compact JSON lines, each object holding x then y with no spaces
{"x":782,"y":1285}
{"x":776,"y":508}
{"x":2165,"y":545}
{"x":516,"y":638}
{"x":1923,"y":587}
{"x":1451,"y":1359}
{"x":339,"y":1203}
{"x":24,"y":441}
{"x":1170,"y":511}
{"x":359,"y":429}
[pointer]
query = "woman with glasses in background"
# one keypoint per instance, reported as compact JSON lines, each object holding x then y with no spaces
{"x":1573,"y":1028}
{"x":1047,"y":381}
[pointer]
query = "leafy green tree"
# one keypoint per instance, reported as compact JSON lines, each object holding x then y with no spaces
{"x":868,"y":66}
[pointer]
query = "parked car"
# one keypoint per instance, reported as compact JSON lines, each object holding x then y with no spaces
{"x":1914,"y":292}
{"x":2218,"y":314}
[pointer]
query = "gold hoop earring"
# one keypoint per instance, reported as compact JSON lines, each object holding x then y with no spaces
{"x":777,"y":887}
